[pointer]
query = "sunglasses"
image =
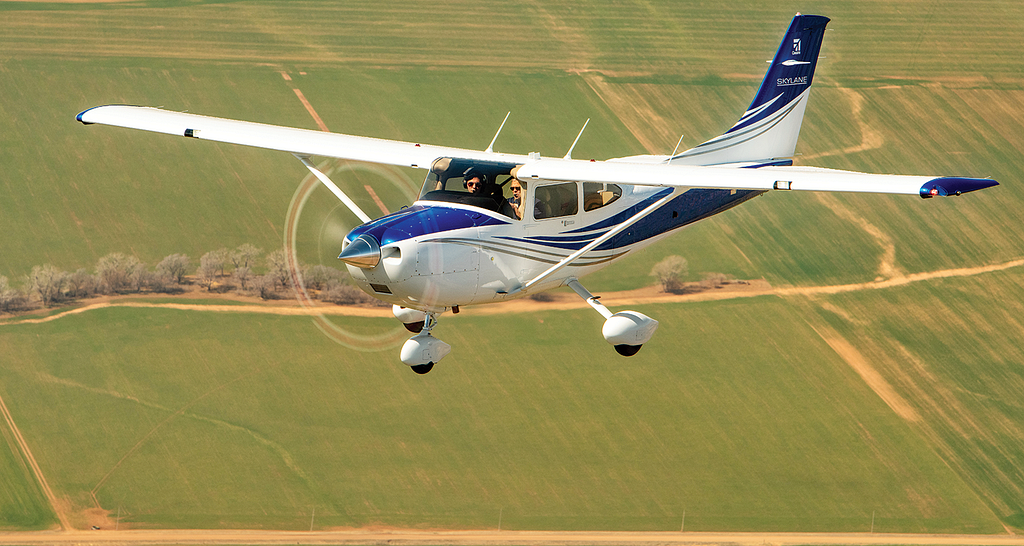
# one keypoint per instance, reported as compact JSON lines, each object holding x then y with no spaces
{"x":516,"y":188}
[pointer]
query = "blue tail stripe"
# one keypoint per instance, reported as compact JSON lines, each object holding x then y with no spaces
{"x":791,"y":70}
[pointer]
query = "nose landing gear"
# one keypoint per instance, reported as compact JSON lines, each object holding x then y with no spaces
{"x":423,"y":350}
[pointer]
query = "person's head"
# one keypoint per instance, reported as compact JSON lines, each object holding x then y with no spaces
{"x":518,"y":188}
{"x":475,"y":184}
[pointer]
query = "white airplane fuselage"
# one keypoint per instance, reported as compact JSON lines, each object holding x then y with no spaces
{"x":438,"y":255}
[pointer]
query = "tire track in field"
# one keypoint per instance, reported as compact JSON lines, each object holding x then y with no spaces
{"x":34,"y":466}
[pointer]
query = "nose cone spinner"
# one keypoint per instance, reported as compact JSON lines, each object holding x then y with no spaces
{"x":363,"y":252}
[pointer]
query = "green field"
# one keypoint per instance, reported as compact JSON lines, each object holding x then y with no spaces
{"x":747,"y":414}
{"x":246,"y":421}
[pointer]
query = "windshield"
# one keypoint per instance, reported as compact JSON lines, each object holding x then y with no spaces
{"x":476,"y":183}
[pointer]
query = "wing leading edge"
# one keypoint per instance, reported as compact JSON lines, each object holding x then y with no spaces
{"x":274,"y":137}
{"x":408,"y":154}
{"x":763,"y":178}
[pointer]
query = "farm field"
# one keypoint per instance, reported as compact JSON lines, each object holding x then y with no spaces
{"x":770,"y":420}
{"x":262,"y":415}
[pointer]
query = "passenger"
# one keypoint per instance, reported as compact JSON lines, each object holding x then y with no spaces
{"x":517,"y":199}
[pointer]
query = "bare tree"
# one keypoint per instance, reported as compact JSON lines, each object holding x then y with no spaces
{"x":277,"y":268}
{"x":264,"y":285}
{"x":318,"y":277}
{"x":48,"y":283}
{"x":81,"y":284}
{"x":10,"y":299}
{"x":344,"y":294}
{"x":222,"y":257}
{"x":209,"y":264}
{"x":115,"y":271}
{"x":175,"y":266}
{"x":141,"y":278}
{"x":713,"y":280}
{"x":243,"y":275}
{"x":669,"y":271}
{"x":245,"y":255}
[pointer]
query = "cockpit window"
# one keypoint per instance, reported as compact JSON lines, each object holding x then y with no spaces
{"x":449,"y":179}
{"x":597,"y":195}
{"x":556,"y":200}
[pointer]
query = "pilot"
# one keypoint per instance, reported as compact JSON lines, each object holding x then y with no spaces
{"x":475,"y":184}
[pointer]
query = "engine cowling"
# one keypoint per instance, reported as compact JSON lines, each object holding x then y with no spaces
{"x":628,"y":330}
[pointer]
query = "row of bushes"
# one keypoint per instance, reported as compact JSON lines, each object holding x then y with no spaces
{"x":220,"y":270}
{"x":670,"y":272}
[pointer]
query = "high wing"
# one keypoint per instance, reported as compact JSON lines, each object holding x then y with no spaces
{"x":409,"y":154}
{"x":748,"y":178}
{"x":303,"y":142}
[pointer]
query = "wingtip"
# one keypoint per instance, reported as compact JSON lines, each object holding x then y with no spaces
{"x":81,"y":114}
{"x":953,"y":185}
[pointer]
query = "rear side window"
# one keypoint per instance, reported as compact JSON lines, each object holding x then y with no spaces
{"x":597,"y":195}
{"x":556,"y":200}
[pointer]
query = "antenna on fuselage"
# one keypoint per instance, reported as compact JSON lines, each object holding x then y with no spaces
{"x":568,"y":155}
{"x":490,"y":147}
{"x":676,"y":149}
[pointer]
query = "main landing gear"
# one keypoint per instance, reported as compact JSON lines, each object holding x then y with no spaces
{"x":422,"y":350}
{"x":627,"y":331}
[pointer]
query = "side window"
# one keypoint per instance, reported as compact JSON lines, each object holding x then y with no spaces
{"x":556,"y":200}
{"x":597,"y":195}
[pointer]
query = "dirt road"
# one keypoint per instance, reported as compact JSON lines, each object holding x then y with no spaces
{"x":491,"y":538}
{"x":558,"y":301}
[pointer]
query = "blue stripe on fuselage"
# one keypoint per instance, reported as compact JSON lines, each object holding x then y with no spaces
{"x":420,"y":220}
{"x":694,"y":205}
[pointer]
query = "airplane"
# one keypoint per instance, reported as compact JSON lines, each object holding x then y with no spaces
{"x":469,"y":240}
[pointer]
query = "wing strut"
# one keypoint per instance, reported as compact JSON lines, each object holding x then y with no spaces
{"x":333,"y":187}
{"x":596,"y":242}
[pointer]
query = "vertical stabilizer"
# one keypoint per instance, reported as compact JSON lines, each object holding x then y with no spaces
{"x":770,"y":126}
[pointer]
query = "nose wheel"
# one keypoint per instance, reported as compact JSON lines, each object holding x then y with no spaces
{"x":423,"y":350}
{"x":423,"y":368}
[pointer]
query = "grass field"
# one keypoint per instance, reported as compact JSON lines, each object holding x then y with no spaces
{"x":254,"y":421}
{"x":770,"y":421}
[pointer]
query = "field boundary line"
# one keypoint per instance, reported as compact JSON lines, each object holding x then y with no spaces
{"x":498,"y":538}
{"x":31,"y":460}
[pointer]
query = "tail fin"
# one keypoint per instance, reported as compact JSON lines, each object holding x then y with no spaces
{"x":770,"y":126}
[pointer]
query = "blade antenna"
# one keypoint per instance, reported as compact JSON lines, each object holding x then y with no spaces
{"x":333,"y":187}
{"x":568,"y":155}
{"x":490,"y":147}
{"x":676,"y":149}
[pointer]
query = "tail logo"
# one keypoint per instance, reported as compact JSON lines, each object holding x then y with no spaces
{"x":783,"y":82}
{"x":796,"y":46}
